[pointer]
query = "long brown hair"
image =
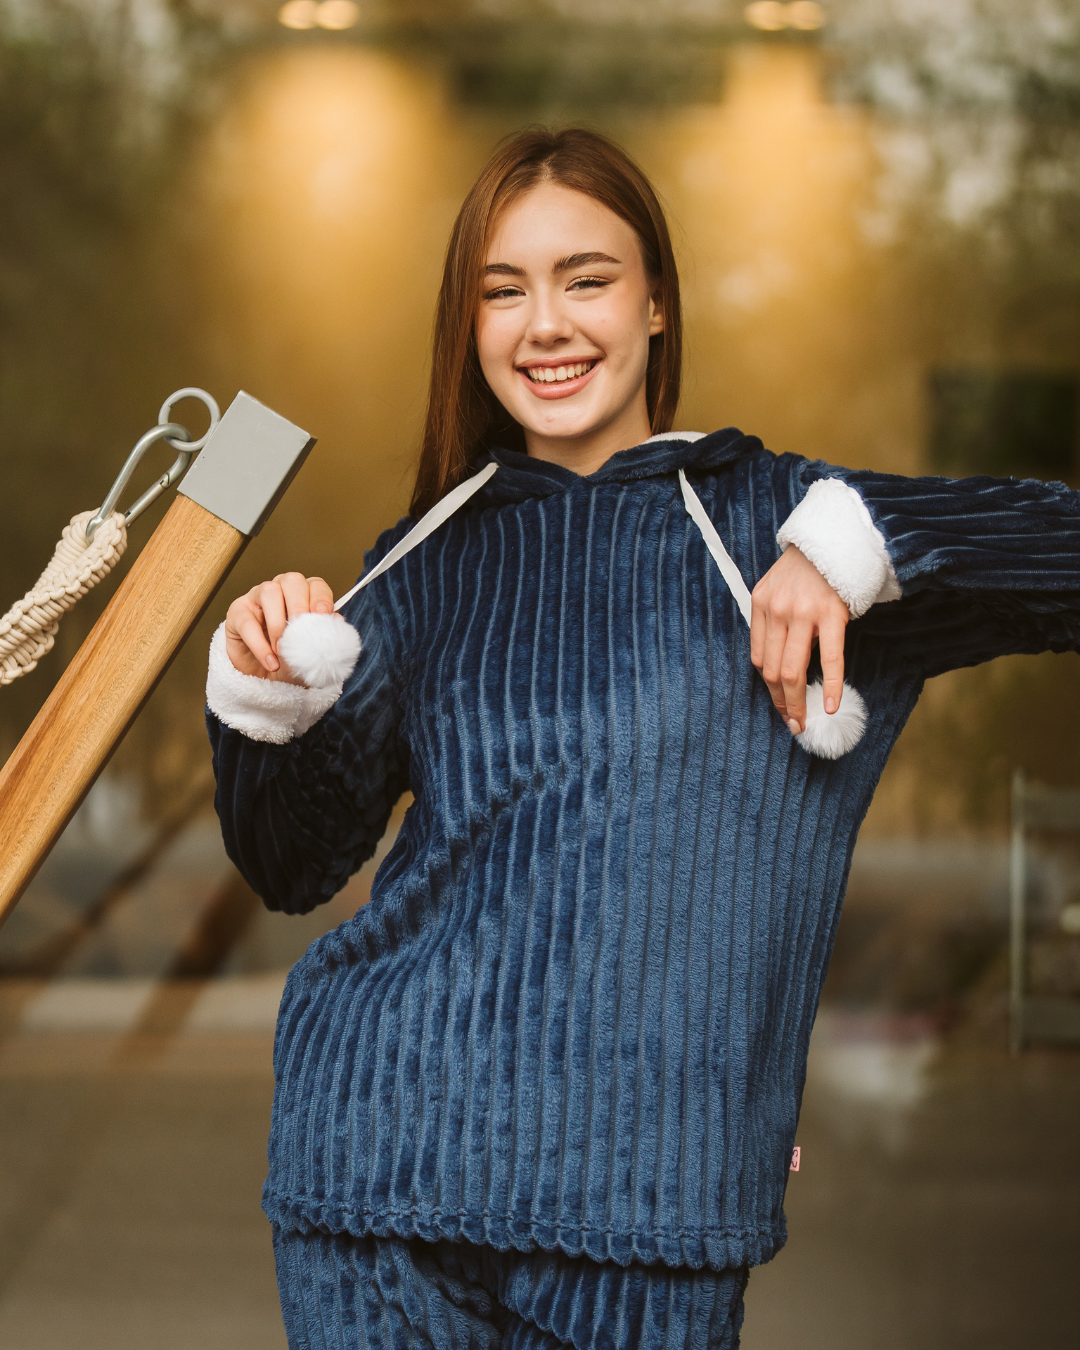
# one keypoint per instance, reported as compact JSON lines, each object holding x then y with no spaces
{"x":462,"y":412}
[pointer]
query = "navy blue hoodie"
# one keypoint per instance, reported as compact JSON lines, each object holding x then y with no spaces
{"x":575,"y":1012}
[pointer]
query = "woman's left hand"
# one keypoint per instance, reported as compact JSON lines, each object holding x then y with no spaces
{"x":792,"y":605}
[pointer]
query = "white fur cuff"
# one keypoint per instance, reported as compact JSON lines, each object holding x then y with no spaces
{"x":263,"y":710}
{"x":833,"y":528}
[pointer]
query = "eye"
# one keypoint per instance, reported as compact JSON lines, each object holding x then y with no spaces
{"x":503,"y":293}
{"x":588,"y":283}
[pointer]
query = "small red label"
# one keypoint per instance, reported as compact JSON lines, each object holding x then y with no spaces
{"x":796,"y":1158}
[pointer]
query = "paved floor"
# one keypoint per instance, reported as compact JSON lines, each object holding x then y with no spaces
{"x":953,"y":1224}
{"x":129,"y":1199}
{"x":937,"y":1206}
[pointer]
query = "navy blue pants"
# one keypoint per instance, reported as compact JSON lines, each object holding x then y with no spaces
{"x":340,"y":1292}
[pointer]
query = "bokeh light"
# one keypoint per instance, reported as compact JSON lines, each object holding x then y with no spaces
{"x":768,"y":15}
{"x":335,"y":15}
{"x":299,"y":14}
{"x":806,"y":14}
{"x":771,"y":16}
{"x":338,"y":14}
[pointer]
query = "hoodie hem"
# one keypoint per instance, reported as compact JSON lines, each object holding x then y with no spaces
{"x":696,"y":1248}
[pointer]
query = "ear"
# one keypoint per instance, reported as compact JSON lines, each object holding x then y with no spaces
{"x":656,"y":314}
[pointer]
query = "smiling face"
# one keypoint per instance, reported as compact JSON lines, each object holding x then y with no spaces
{"x":563,"y":328}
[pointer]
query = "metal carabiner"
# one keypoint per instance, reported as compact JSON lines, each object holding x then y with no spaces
{"x":173,"y":434}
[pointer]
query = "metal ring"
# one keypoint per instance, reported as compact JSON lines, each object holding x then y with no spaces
{"x":211,"y":406}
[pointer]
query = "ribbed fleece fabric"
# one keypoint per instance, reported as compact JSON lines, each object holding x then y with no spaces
{"x":340,"y":1292}
{"x":575,"y":1012}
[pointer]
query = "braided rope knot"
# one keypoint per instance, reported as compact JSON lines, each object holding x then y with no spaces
{"x":28,"y":630}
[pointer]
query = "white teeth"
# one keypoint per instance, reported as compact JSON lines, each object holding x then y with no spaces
{"x":549,"y":374}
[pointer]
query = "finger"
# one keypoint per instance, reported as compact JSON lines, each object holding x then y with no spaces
{"x":296,"y":593}
{"x":274,"y":613}
{"x":793,"y":665}
{"x":831,"y":649}
{"x":252,"y":634}
{"x":321,"y":596}
{"x":245,"y":637}
{"x":758,"y":626}
{"x":772,"y":659}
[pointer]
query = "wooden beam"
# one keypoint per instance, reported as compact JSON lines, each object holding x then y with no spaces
{"x":235,"y":482}
{"x":112,"y":675}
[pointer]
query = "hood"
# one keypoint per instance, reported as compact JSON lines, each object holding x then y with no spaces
{"x":521,"y":477}
{"x":509,"y":476}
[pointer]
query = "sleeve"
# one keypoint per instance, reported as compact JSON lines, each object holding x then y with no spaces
{"x":264,"y":710}
{"x":304,"y":802}
{"x":976,"y":567}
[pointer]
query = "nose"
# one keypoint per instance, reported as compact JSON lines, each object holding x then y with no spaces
{"x":549,"y":324}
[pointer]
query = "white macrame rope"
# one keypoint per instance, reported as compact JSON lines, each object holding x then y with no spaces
{"x":28,"y":629}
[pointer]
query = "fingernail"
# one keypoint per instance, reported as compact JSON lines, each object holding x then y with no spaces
{"x":271,"y":663}
{"x":794,"y":727}
{"x":830,"y":704}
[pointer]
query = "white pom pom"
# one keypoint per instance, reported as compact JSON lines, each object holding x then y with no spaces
{"x":321,"y":648}
{"x":830,"y":735}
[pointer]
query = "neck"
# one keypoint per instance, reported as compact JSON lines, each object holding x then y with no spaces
{"x":591,"y":450}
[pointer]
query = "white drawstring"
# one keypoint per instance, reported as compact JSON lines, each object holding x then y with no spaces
{"x":442,"y":510}
{"x":715,"y":545}
{"x":828,"y":735}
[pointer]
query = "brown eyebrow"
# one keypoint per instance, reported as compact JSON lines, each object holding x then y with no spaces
{"x":583,"y":260}
{"x":562,"y":265}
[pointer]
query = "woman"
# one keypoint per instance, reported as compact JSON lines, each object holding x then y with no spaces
{"x":543,"y":1089}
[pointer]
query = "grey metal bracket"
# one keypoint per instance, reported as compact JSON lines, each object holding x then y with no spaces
{"x":250,"y":459}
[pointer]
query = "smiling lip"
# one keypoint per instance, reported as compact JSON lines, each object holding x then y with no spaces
{"x":556,"y":388}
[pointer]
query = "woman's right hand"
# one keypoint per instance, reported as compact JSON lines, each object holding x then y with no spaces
{"x":255,"y":622}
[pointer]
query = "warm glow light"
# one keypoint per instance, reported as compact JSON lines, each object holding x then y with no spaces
{"x":299,"y":14}
{"x":332,"y":14}
{"x":768,"y":15}
{"x":806,"y":14}
{"x":771,"y":16}
{"x":326,"y":187}
{"x":338,"y":14}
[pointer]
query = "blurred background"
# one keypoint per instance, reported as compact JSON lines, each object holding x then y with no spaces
{"x":876,"y":205}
